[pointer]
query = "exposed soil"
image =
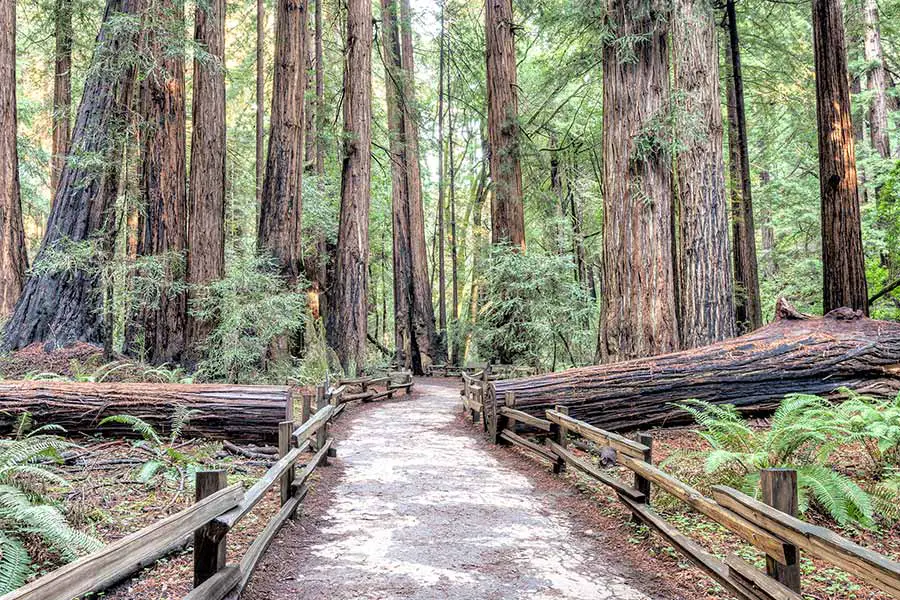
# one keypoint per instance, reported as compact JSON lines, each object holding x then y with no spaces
{"x":418,"y":506}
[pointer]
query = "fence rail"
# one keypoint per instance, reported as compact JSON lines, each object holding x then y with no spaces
{"x":770,"y":526}
{"x":218,"y":509}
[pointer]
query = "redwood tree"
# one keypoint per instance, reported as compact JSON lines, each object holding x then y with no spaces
{"x":62,"y":90}
{"x":507,"y":211}
{"x":638,"y":313}
{"x":159,"y":328}
{"x":843,"y":262}
{"x":279,"y":213}
{"x":12,"y":238}
{"x":706,"y":306}
{"x":62,"y":305}
{"x":349,"y":330}
{"x":206,"y":229}
{"x":875,"y":76}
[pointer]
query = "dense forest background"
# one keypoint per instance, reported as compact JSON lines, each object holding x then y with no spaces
{"x":539,"y":307}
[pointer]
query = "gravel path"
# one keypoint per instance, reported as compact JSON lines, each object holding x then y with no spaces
{"x":421,"y":510}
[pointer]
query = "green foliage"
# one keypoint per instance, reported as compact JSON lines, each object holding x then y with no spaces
{"x":804,"y":433}
{"x":252,"y":308}
{"x":26,"y":471}
{"x":533,"y":304}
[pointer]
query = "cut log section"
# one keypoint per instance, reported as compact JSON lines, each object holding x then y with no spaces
{"x":236,"y":413}
{"x":795,"y":353}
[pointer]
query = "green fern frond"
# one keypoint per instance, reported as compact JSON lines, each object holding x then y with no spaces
{"x":31,"y":449}
{"x":180,"y":420}
{"x":139,"y":426}
{"x":15,"y":563}
{"x":884,"y":497}
{"x":149,"y":470}
{"x":836,"y":494}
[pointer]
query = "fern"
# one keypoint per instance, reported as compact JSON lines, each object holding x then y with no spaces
{"x":15,"y":563}
{"x":139,"y":426}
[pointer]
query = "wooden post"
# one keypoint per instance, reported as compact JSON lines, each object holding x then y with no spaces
{"x":502,"y":421}
{"x":209,"y":554}
{"x":322,"y":433}
{"x":285,"y":431}
{"x":562,"y":433}
{"x":289,"y":408}
{"x":306,"y":408}
{"x":779,"y":490}
{"x":641,"y":484}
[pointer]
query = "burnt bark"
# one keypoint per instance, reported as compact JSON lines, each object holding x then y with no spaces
{"x":794,"y":354}
{"x":206,"y":229}
{"x":62,"y":91}
{"x":507,"y":210}
{"x":843,"y":262}
{"x":638,"y":315}
{"x":350,"y":309}
{"x":63,"y":305}
{"x":235,"y":413}
{"x":158,"y":333}
{"x":706,"y":304}
{"x":748,"y":310}
{"x":13,"y":259}
{"x":280,"y":210}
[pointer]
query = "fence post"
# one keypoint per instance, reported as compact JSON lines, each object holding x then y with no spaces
{"x":322,"y":433}
{"x":502,"y":421}
{"x":285,"y":432}
{"x":306,"y":407}
{"x":561,"y":438}
{"x":209,"y":554}
{"x":641,"y":484}
{"x":779,"y":490}
{"x":289,"y":408}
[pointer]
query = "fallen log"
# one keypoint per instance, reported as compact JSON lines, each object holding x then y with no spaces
{"x":237,"y":413}
{"x":795,"y":353}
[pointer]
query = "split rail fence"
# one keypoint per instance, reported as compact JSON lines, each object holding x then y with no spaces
{"x":770,"y":525}
{"x":218,"y":508}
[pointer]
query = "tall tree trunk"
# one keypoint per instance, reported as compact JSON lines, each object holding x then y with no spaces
{"x":878,"y":115}
{"x":320,"y":97}
{"x":206,"y":228}
{"x":454,"y":246}
{"x":638,"y":314}
{"x":13,"y":259}
{"x":507,"y":210}
{"x":280,"y":209}
{"x":260,"y":96}
{"x":62,"y":91}
{"x":310,"y":115}
{"x":61,"y":305}
{"x":843,"y":262}
{"x":159,"y":330}
{"x":353,"y":232}
{"x":442,"y":279}
{"x":747,"y":307}
{"x":706,"y":304}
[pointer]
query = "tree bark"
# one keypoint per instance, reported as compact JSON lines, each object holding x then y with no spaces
{"x":310,"y":114}
{"x":878,"y":114}
{"x":353,"y":231}
{"x":794,"y":354}
{"x":158,"y":333}
{"x":280,"y":210}
{"x":706,"y":304}
{"x":507,"y":210}
{"x":260,"y":96}
{"x":638,"y":314}
{"x":456,"y":348}
{"x":748,"y":310}
{"x":230,"y":412}
{"x":320,"y":97}
{"x":62,"y":91}
{"x":13,"y":258}
{"x":206,"y":228}
{"x":62,"y":305}
{"x":441,"y":233}
{"x":843,"y":262}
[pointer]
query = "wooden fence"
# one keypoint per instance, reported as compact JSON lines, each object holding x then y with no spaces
{"x":770,"y":525}
{"x":218,"y":508}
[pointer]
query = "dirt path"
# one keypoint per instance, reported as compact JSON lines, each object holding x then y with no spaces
{"x":416,"y":507}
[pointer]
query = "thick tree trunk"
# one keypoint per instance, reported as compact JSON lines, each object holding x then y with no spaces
{"x":13,"y":259}
{"x":349,"y":331}
{"x":63,"y":306}
{"x":320,"y":97}
{"x":441,"y":233}
{"x":62,"y":91}
{"x":310,"y":115}
{"x":280,"y":210}
{"x":748,"y":310}
{"x":706,"y":304}
{"x":878,"y":115}
{"x":456,"y":348}
{"x":159,"y":329}
{"x":507,"y":211}
{"x":206,"y":229}
{"x":260,"y":96}
{"x":236,"y":413}
{"x":794,"y":354}
{"x":638,"y":315}
{"x":843,"y":262}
